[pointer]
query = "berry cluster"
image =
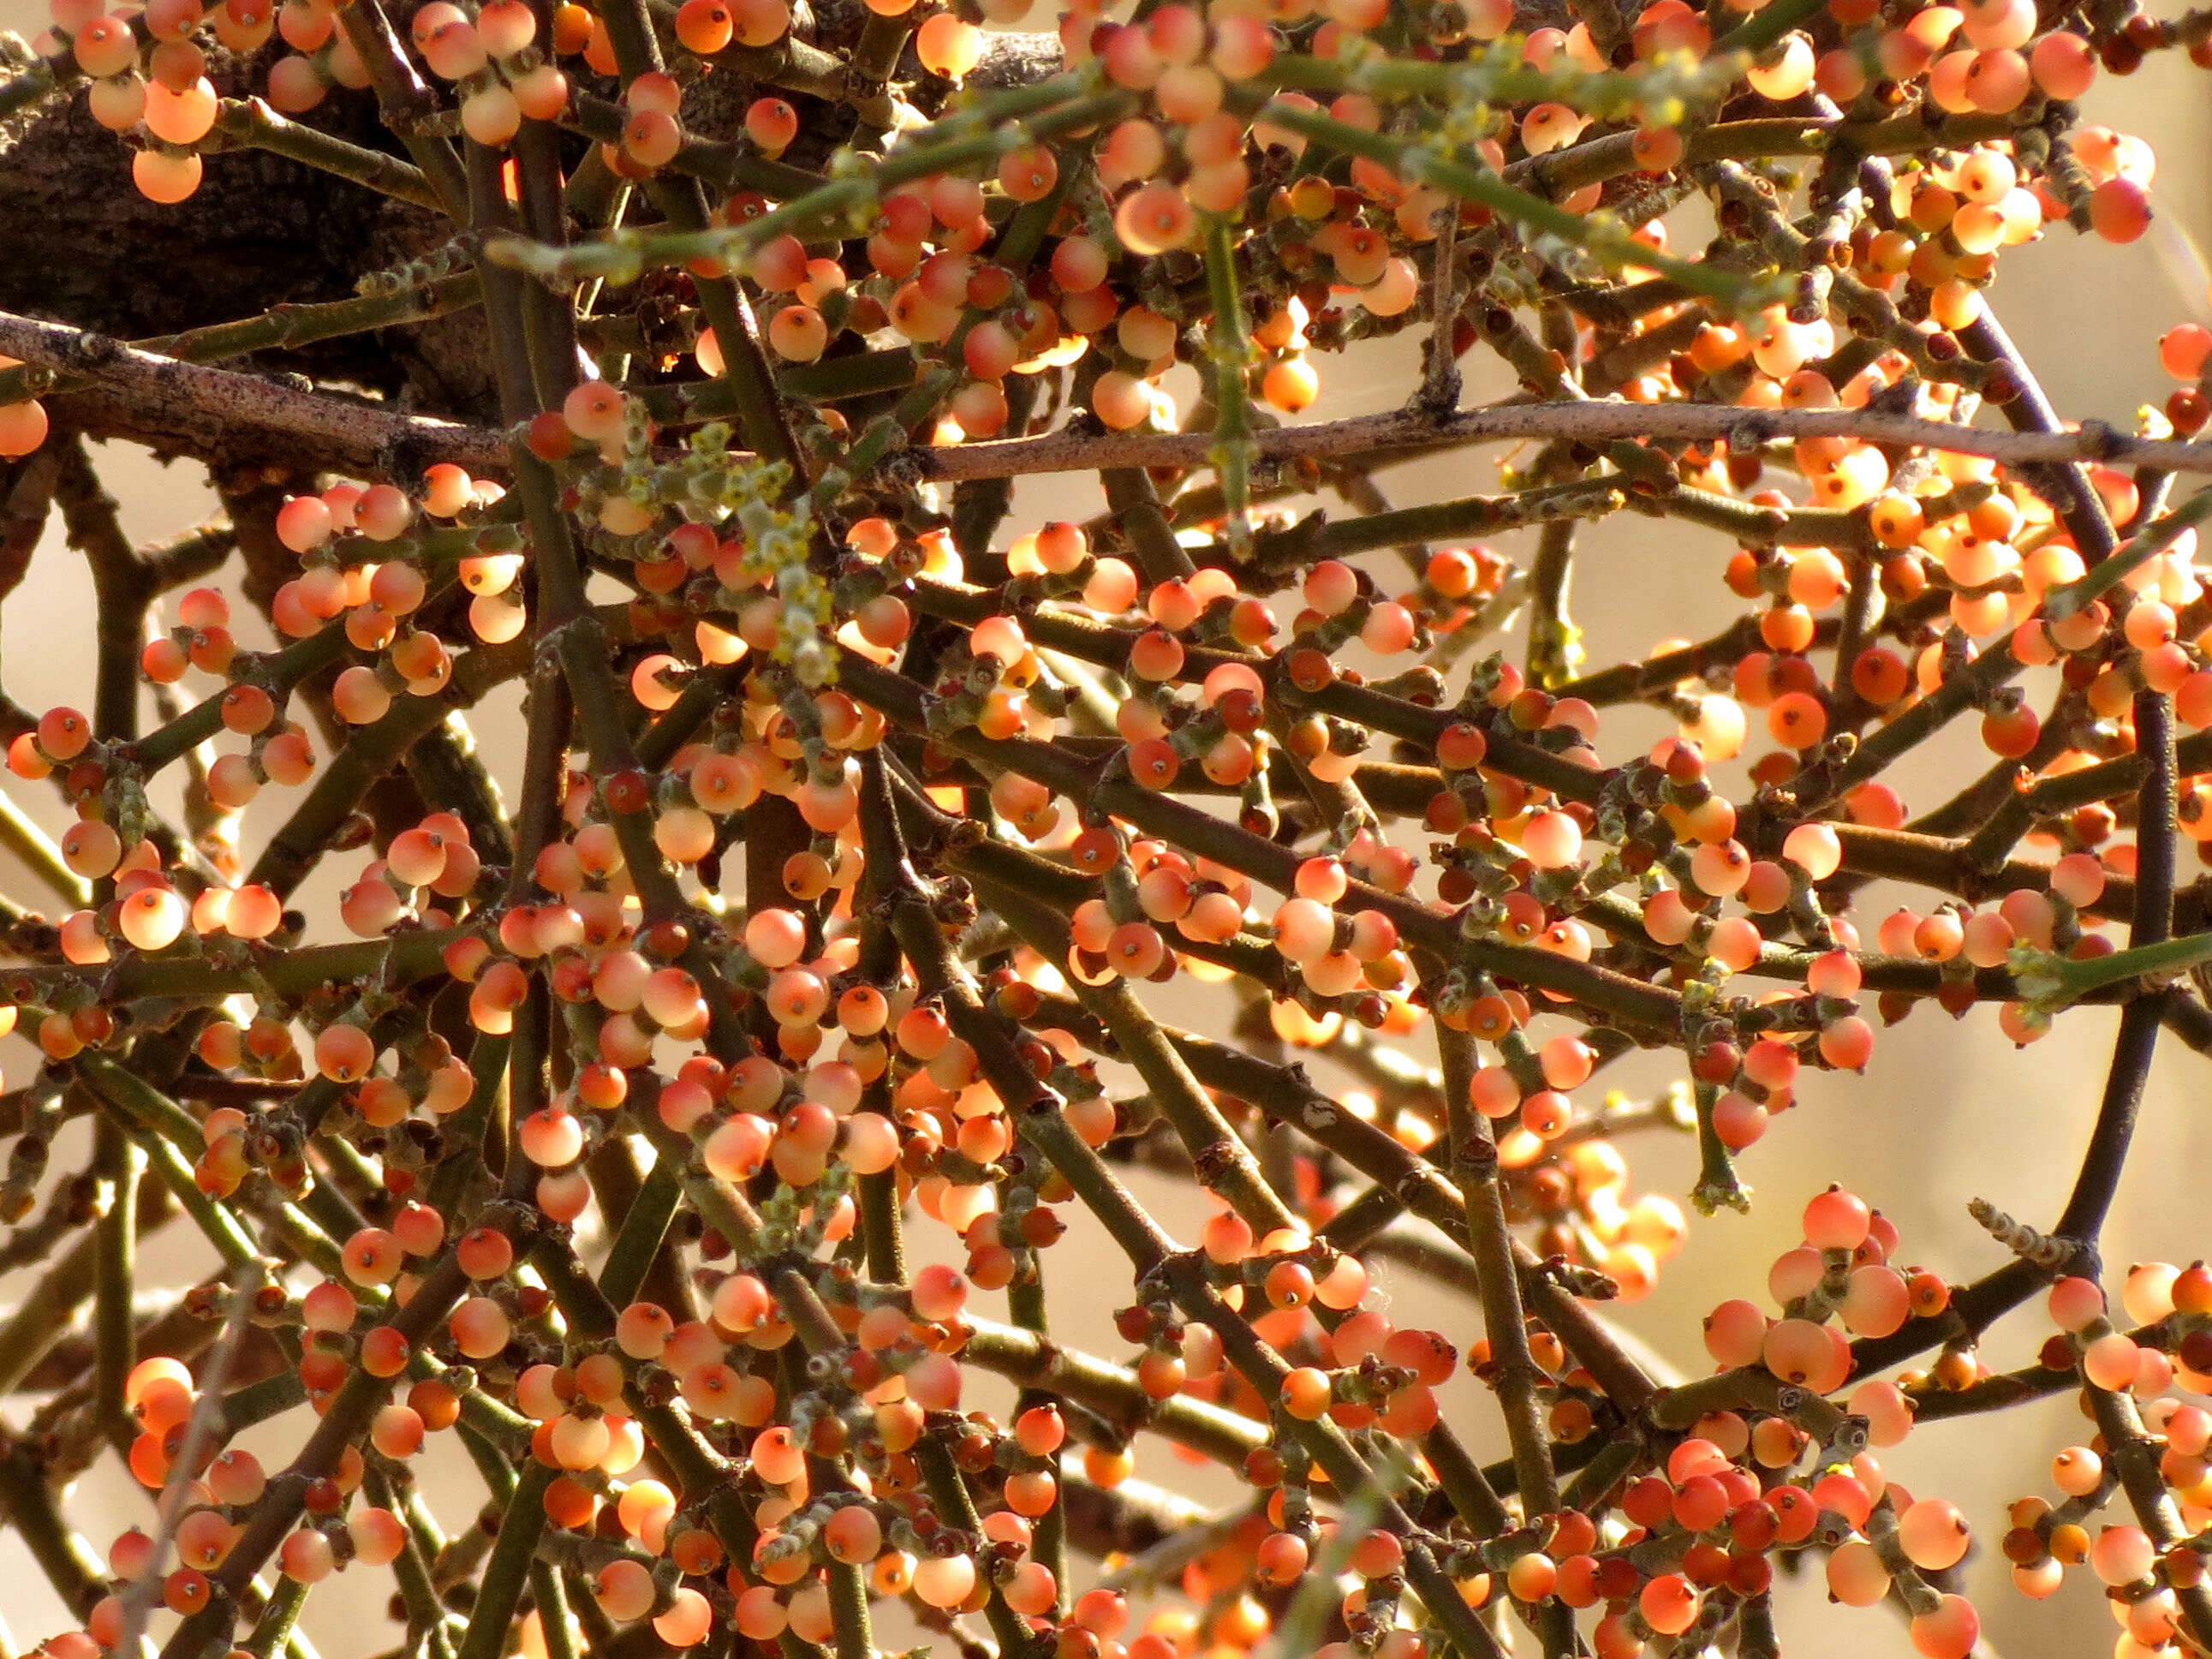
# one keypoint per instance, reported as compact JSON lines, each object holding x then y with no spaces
{"x":675,"y":1121}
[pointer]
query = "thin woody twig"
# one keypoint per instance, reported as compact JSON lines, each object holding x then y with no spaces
{"x":221,"y":412}
{"x":1590,"y":422}
{"x":202,"y":1428}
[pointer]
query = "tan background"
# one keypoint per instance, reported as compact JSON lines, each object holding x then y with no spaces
{"x":1945,"y":1112}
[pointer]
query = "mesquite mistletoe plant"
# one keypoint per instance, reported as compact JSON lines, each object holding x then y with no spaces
{"x":614,"y":1137}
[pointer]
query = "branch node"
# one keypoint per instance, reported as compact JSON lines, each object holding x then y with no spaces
{"x":2049,"y":1251}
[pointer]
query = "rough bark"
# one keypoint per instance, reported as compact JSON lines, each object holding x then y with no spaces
{"x":264,"y":230}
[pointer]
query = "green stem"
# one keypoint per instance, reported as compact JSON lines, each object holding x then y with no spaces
{"x":341,"y":1425}
{"x":426,"y":1614}
{"x":257,"y":1402}
{"x":1635,"y":1001}
{"x":44,"y":1313}
{"x":1607,"y":243}
{"x":1473,"y":515}
{"x":727,"y":167}
{"x":406,"y":103}
{"x":849,"y":1611}
{"x":1717,"y":1184}
{"x":955,"y":1507}
{"x":631,"y":1257}
{"x":2054,"y":981}
{"x":274,"y":1628}
{"x":251,"y":123}
{"x":499,"y":1590}
{"x":38,"y":852}
{"x":955,"y":145}
{"x":119,"y":1163}
{"x":28,"y":1503}
{"x":158,"y":1126}
{"x":1229,"y":348}
{"x":1554,"y":643}
{"x":278,"y":674}
{"x":1474,"y":1161}
{"x":1111,"y":1391}
{"x":2141,"y":548}
{"x":464,"y":1132}
{"x":1037,"y":1113}
{"x":1763,"y":28}
{"x":1026,"y":1306}
{"x":552,"y":1594}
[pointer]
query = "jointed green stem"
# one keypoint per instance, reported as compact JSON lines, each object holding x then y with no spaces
{"x":36,"y":850}
{"x":152,"y":1122}
{"x":2143,"y":546}
{"x":1610,"y":246}
{"x":251,"y":123}
{"x":1230,"y":348}
{"x":342,"y":1423}
{"x":499,"y":1590}
{"x":1474,"y":1161}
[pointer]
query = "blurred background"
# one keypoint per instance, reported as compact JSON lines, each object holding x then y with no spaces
{"x":1947,"y":1110}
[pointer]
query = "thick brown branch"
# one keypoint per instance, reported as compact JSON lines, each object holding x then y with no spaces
{"x":221,"y":414}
